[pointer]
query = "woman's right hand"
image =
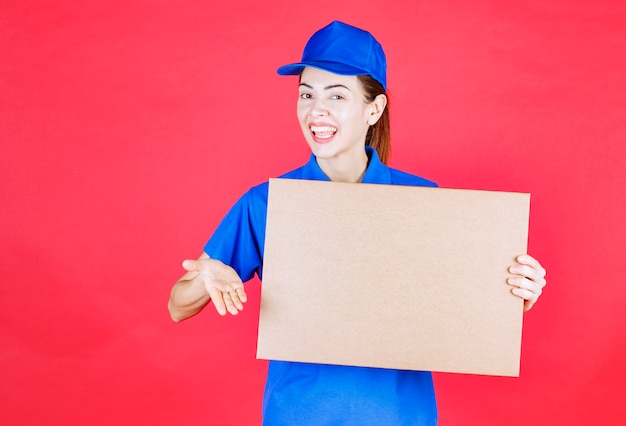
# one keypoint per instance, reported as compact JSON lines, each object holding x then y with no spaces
{"x":221,"y":282}
{"x":206,"y":279}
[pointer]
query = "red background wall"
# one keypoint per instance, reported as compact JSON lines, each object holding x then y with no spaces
{"x":127,"y":129}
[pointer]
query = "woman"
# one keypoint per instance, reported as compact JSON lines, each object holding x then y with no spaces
{"x":344,"y":115}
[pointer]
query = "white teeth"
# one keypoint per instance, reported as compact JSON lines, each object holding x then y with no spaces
{"x":324,"y":135}
{"x":323,"y":129}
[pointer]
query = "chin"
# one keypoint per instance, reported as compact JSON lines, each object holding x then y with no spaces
{"x":322,"y":151}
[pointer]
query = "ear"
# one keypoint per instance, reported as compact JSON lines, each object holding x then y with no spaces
{"x":377,"y":106}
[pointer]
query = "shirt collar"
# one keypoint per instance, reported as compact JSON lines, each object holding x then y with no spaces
{"x":376,"y":171}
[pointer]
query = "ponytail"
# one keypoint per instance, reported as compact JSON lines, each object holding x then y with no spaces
{"x":379,"y":134}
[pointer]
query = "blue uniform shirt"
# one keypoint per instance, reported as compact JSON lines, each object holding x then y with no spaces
{"x":317,"y":394}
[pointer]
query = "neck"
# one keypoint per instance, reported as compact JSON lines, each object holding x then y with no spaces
{"x":345,"y":169}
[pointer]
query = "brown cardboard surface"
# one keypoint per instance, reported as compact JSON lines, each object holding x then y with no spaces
{"x":392,"y":276}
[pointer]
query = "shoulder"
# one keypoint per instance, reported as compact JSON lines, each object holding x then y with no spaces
{"x":398,"y":177}
{"x":256,"y":196}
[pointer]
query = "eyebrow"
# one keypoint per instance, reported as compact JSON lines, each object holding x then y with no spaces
{"x":332,"y":86}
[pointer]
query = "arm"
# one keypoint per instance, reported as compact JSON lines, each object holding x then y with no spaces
{"x":529,"y":280}
{"x":206,"y":279}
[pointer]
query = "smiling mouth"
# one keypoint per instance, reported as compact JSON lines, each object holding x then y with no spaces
{"x":323,"y":132}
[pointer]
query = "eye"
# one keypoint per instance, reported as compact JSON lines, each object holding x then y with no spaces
{"x":305,"y":95}
{"x":337,"y":97}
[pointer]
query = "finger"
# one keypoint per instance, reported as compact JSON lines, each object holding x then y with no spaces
{"x":242,"y":294}
{"x":529,"y":304}
{"x":196,"y":265}
{"x":525,"y":284}
{"x":230,"y":303}
{"x":525,"y":293}
{"x":218,"y":300}
{"x":234,"y":289}
{"x":199,"y":265}
{"x":526,"y":289}
{"x":529,"y":272}
{"x":189,"y":265}
{"x":524,"y":271}
{"x":234,"y":296}
{"x":529,"y":297}
{"x":526,"y":259}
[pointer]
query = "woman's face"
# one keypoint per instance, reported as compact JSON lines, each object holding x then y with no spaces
{"x":334,"y":115}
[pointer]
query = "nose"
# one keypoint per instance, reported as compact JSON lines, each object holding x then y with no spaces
{"x":318,"y":108}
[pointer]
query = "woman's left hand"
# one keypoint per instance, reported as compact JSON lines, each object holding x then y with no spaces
{"x":529,"y":280}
